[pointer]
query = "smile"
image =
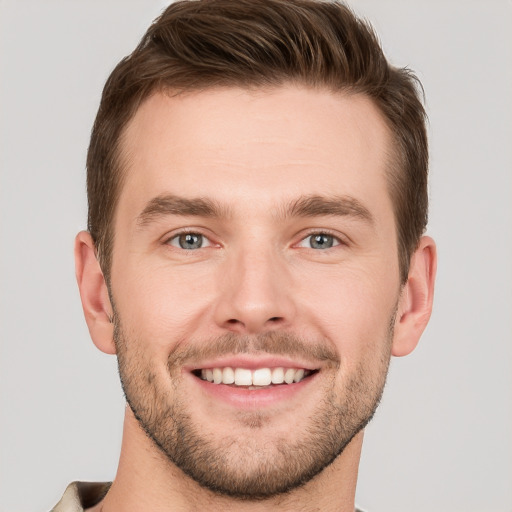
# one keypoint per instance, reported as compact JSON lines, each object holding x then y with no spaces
{"x":259,"y":377}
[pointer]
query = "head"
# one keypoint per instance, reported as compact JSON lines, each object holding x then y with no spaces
{"x":257,"y":196}
{"x":195,"y":46}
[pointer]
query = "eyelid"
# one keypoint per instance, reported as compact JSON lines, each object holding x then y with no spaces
{"x":166,"y":240}
{"x":341,"y":240}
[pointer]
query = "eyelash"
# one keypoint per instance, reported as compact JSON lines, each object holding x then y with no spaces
{"x":337,"y":241}
{"x":176,"y":236}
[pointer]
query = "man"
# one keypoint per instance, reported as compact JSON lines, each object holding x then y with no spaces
{"x":257,"y":183}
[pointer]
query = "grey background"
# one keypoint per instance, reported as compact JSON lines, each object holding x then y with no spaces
{"x":442,"y":439}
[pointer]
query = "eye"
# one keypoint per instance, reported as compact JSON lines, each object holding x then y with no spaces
{"x":319,"y":241}
{"x":189,"y":241}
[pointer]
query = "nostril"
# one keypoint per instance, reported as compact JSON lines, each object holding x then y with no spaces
{"x":254,"y":324}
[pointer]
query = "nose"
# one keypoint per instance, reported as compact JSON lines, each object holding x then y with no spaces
{"x":255,"y":293}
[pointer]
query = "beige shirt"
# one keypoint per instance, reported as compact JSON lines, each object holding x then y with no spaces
{"x":81,"y":495}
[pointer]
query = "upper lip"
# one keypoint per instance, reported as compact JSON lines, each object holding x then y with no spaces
{"x":252,"y":362}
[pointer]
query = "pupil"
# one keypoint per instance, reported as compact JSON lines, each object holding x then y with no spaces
{"x":191,"y":241}
{"x":321,"y":242}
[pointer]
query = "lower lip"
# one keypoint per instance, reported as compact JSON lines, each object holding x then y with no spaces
{"x":244,"y":398}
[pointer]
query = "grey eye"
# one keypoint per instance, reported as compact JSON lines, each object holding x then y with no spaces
{"x":189,"y":241}
{"x":321,"y":241}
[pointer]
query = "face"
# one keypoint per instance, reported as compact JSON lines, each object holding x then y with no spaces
{"x":255,"y":280}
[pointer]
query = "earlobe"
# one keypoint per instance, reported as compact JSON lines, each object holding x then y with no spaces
{"x":94,"y":293}
{"x":415,"y":305}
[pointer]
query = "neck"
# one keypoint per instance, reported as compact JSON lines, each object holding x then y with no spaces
{"x":146,"y":480}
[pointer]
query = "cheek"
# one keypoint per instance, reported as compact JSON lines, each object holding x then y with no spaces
{"x":158,"y":303}
{"x":353,"y":309}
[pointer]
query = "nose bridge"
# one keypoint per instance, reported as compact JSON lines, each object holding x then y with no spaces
{"x":254,"y":294}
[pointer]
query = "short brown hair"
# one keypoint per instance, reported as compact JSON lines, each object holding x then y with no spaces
{"x":199,"y":44}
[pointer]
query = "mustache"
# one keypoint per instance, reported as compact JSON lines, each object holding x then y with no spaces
{"x":269,"y":343}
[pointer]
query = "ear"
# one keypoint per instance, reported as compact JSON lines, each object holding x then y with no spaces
{"x":415,"y":304}
{"x":94,"y":294}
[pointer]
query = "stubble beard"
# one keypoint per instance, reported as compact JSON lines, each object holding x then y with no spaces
{"x":250,"y":468}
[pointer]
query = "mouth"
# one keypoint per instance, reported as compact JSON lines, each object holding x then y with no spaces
{"x":253,"y":379}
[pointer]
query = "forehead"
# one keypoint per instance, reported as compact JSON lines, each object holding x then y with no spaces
{"x":254,"y":146}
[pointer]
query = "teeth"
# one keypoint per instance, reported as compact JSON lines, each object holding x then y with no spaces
{"x":228,"y":376}
{"x":289,"y":375}
{"x":260,"y":377}
{"x":299,"y":375}
{"x":277,"y":376}
{"x":243,"y":377}
{"x":217,"y":375}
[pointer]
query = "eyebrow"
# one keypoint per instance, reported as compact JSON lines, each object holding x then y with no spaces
{"x":169,"y":204}
{"x":318,"y":206}
{"x":304,"y":206}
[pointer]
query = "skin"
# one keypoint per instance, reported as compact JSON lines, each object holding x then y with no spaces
{"x":253,"y":154}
